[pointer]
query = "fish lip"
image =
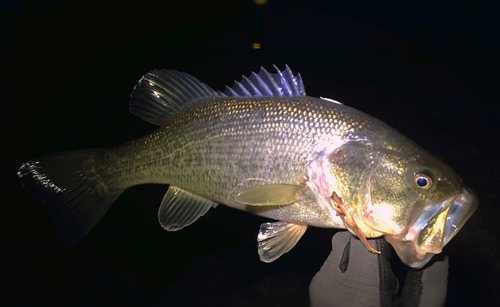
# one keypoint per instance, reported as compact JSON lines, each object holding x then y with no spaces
{"x":415,"y":247}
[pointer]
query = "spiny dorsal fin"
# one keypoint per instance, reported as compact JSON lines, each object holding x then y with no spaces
{"x":181,"y":208}
{"x":161,"y":93}
{"x":265,"y":84}
{"x":277,"y":238}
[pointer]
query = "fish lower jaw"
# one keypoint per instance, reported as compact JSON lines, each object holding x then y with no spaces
{"x":419,"y":264}
{"x":409,"y":252}
{"x":412,"y":236}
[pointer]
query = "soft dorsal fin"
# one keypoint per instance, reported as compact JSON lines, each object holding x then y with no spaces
{"x":161,"y":93}
{"x":180,"y":208}
{"x":265,"y":84}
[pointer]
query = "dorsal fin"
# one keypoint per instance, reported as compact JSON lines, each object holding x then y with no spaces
{"x":161,"y":93}
{"x":264,"y":84}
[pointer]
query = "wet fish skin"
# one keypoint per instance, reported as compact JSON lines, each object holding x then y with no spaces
{"x":265,"y":148}
{"x":226,"y":146}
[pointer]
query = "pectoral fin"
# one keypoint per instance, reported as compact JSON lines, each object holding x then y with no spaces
{"x":181,"y":208}
{"x":271,"y":194}
{"x":277,"y":238}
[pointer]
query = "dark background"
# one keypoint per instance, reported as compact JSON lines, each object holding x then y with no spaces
{"x":68,"y":67}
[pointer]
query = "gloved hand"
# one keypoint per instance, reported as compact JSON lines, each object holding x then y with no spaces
{"x":352,"y":276}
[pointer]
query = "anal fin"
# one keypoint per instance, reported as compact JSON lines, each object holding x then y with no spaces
{"x":180,"y":208}
{"x":277,"y":238}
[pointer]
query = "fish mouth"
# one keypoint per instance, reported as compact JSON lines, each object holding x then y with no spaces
{"x":433,"y":229}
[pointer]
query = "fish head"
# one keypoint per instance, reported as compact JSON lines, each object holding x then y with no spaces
{"x":418,"y":202}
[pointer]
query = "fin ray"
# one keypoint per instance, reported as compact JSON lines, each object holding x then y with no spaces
{"x":162,"y":93}
{"x":264,"y":84}
{"x":180,"y":208}
{"x":276,"y":239}
{"x":76,"y":193}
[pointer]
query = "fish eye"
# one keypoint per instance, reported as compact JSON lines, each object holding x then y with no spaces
{"x":423,"y":181}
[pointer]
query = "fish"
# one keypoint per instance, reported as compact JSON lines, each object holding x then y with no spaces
{"x":262,"y":146}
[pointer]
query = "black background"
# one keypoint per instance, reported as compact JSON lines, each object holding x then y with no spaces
{"x":68,"y":67}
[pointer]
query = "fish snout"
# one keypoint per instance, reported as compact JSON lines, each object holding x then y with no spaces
{"x":460,"y":211}
{"x":434,"y":228}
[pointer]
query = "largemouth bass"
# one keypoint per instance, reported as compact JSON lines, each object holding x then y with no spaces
{"x":264,"y":147}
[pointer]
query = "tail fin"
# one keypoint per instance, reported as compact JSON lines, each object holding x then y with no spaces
{"x":70,"y":182}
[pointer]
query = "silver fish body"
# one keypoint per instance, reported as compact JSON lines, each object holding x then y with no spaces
{"x":224,"y":146}
{"x":265,"y":148}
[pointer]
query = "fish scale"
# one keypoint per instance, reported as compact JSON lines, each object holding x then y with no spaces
{"x":213,"y":143}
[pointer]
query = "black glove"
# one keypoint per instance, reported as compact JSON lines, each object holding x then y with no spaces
{"x":352,"y":276}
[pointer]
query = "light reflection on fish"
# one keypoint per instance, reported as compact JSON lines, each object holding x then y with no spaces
{"x":264,"y":147}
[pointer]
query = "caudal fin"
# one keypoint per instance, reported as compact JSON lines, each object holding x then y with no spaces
{"x":72,"y":184}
